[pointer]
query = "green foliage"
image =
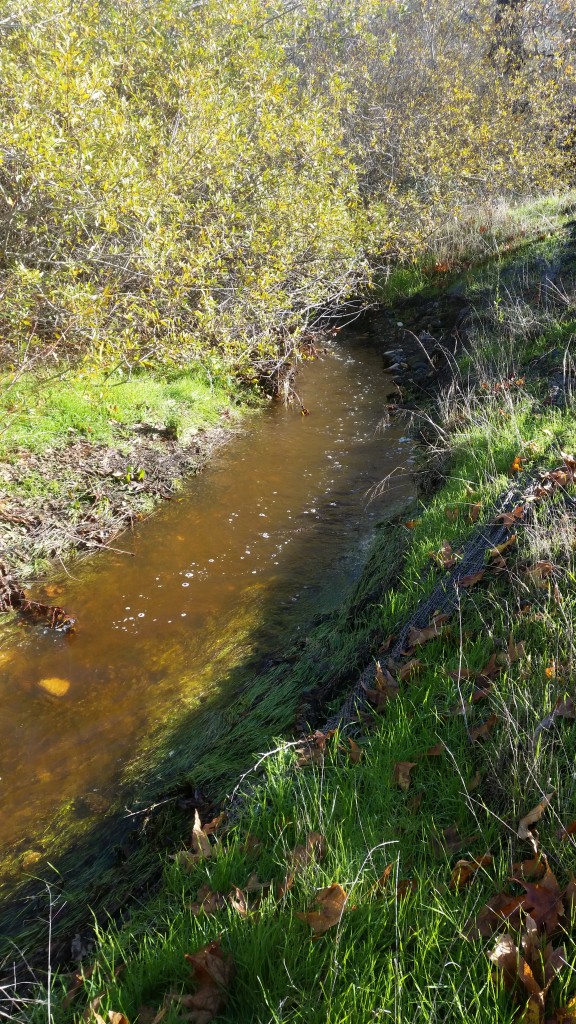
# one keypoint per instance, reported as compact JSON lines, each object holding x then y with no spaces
{"x":192,"y":183}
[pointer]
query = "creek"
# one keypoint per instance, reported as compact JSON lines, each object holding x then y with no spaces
{"x":273,"y":533}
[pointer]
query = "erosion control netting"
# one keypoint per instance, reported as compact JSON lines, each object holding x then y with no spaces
{"x":445,"y":597}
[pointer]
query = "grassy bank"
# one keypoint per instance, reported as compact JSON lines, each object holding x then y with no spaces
{"x":421,"y":815}
{"x":85,"y":453}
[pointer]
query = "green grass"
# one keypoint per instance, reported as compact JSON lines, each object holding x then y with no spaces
{"x":482,"y":235}
{"x":402,"y":958}
{"x":37,"y":411}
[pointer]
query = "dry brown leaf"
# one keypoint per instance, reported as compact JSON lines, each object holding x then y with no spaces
{"x":237,"y":900}
{"x":207,"y":901}
{"x":352,"y":749}
{"x":564,"y":708}
{"x":201,"y":846}
{"x":532,"y":869}
{"x":410,"y":668}
{"x":568,"y":831}
{"x":212,"y":972}
{"x":482,"y":732}
{"x":509,"y":518}
{"x":543,"y":901}
{"x":451,"y":841}
{"x":212,"y":826}
{"x":402,"y":774}
{"x":471,"y":579}
{"x":501,"y":908}
{"x":314,"y":849}
{"x":499,"y":549}
{"x":436,"y":751}
{"x":416,"y":637}
{"x":331,"y":902}
{"x":534,"y":815}
{"x":516,"y":651}
{"x":464,"y":870}
{"x":540,"y":571}
{"x":313,"y":749}
{"x":474,"y":782}
{"x":565,"y":1014}
{"x":474,"y":512}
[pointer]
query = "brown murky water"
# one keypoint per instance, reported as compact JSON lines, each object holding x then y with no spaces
{"x":272,"y":532}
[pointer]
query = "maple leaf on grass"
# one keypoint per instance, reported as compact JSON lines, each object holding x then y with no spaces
{"x":331,"y":903}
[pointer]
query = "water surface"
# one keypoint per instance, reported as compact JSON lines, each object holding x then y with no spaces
{"x":271,"y":533}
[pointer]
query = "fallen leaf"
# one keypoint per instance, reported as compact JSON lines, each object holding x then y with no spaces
{"x":353,"y":750}
{"x":471,"y":579}
{"x":540,"y":571}
{"x":532,"y":869}
{"x":534,"y":815}
{"x":331,"y":902}
{"x":464,"y":870}
{"x":451,"y":841}
{"x":207,"y":901}
{"x":54,"y":686}
{"x":482,"y":732}
{"x":314,"y":849}
{"x":237,"y":900}
{"x":436,"y":751}
{"x":568,"y":831}
{"x":500,"y":909}
{"x":410,"y":668}
{"x":212,"y":972}
{"x":313,"y":749}
{"x":516,"y":466}
{"x":509,"y":518}
{"x":516,"y":651}
{"x":421,"y":636}
{"x":50,"y":615}
{"x":474,"y":512}
{"x":566,"y":1014}
{"x":212,"y":826}
{"x":402,"y":774}
{"x":543,"y":901}
{"x":415,"y":801}
{"x":565,"y":708}
{"x":411,"y":524}
{"x":474,"y":782}
{"x":201,"y":846}
{"x":501,"y":548}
